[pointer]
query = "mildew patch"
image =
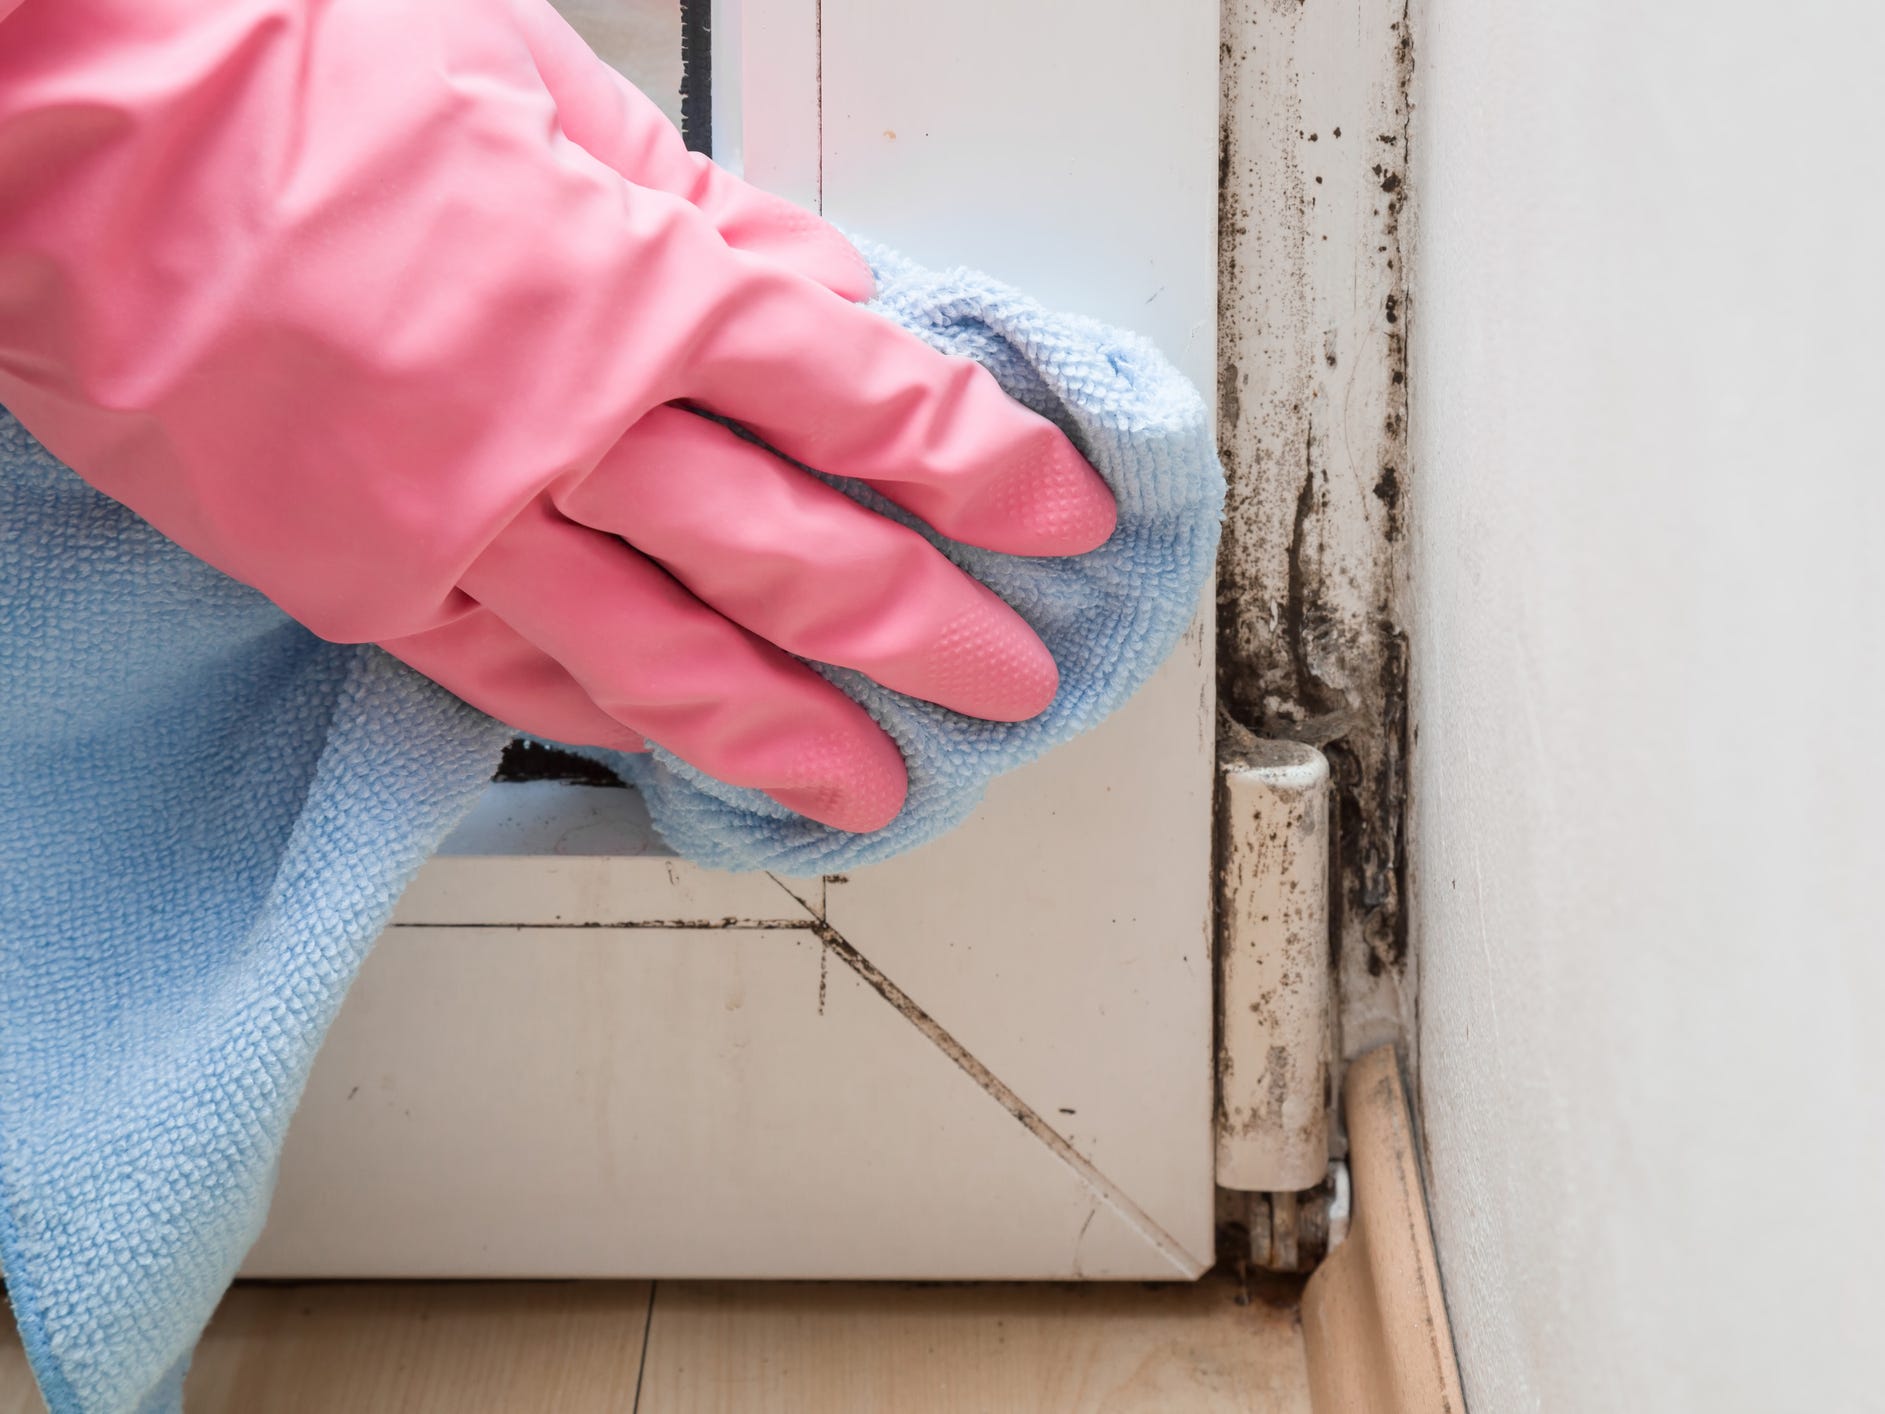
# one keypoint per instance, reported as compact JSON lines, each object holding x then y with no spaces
{"x":1313,"y":312}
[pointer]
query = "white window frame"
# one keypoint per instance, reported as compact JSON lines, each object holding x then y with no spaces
{"x":575,"y":1054}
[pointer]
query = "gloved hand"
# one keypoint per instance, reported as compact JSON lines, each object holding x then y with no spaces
{"x":386,"y":307}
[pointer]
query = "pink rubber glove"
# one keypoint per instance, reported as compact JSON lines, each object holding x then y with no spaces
{"x":383,"y":307}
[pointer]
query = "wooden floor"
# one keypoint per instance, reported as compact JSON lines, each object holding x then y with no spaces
{"x":744,"y":1348}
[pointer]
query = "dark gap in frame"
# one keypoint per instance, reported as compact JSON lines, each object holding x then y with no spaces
{"x":697,"y":75}
{"x":538,"y":761}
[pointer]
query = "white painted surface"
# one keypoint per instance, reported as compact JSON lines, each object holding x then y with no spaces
{"x":577,"y":1096}
{"x":1649,"y":783}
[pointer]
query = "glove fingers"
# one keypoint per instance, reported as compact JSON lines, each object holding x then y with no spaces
{"x":603,"y":113}
{"x":483,"y":660}
{"x":810,"y":570}
{"x":652,"y":656}
{"x":839,"y":387}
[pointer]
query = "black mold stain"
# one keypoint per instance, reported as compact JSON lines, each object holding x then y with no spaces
{"x":1298,"y":657}
{"x":1388,"y":489}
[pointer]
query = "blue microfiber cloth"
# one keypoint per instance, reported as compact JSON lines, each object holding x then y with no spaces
{"x":1110,"y":617}
{"x":206,"y":815}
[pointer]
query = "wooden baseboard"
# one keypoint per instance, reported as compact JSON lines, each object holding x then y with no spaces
{"x":1374,"y":1323}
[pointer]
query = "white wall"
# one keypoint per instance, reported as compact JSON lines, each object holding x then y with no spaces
{"x":1649,"y":524}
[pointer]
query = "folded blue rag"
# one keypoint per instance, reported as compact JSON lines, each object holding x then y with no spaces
{"x":206,"y":814}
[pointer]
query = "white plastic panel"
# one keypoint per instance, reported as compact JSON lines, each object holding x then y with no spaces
{"x":588,"y":1102}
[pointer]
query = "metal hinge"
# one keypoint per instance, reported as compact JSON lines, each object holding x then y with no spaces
{"x":1285,"y":1232}
{"x":1275,"y":1000}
